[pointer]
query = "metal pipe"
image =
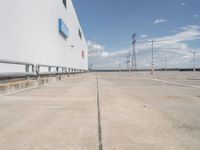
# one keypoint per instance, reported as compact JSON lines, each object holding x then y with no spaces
{"x":35,"y":69}
{"x":2,"y":61}
{"x":25,"y":64}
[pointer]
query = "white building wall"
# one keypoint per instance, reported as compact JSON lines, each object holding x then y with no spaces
{"x":29,"y":33}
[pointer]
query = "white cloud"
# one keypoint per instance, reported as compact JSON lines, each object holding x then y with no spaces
{"x":196,"y":15}
{"x":95,"y":48}
{"x":104,"y":54}
{"x":143,"y":36}
{"x":157,"y":21}
{"x":175,"y":47}
{"x":187,"y":33}
{"x":119,"y":53}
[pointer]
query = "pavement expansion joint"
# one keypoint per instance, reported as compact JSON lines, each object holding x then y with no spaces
{"x":99,"y":118}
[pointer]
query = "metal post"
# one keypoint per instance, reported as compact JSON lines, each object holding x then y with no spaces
{"x":119,"y":64}
{"x":152,"y":56}
{"x":194,"y":61}
{"x":152,"y":61}
{"x":37,"y":70}
{"x":133,"y":57}
{"x":91,"y":67}
{"x":65,"y":70}
{"x":49,"y":69}
{"x":128,"y":62}
{"x":27,"y":68}
{"x":165,"y":63}
{"x":33,"y":68}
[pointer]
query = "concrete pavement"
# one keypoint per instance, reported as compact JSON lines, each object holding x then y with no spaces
{"x":137,"y":112}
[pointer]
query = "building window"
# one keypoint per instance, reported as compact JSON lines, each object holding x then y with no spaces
{"x":80,"y":33}
{"x":65,"y":3}
{"x":63,"y":29}
{"x":83,"y":54}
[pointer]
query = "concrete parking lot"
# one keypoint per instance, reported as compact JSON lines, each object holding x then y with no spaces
{"x":133,"y":111}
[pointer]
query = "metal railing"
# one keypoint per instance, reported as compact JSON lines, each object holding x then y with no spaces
{"x":28,"y":67}
{"x":50,"y":71}
{"x":35,"y":70}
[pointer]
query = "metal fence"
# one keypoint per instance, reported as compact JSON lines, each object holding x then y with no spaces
{"x":144,"y":70}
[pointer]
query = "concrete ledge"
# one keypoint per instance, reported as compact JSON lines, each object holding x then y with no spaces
{"x":6,"y":88}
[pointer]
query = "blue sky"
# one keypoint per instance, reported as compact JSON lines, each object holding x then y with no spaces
{"x":109,"y":24}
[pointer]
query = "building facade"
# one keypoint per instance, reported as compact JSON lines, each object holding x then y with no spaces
{"x":41,"y":32}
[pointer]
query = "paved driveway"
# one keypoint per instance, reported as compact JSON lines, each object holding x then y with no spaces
{"x":136,"y":112}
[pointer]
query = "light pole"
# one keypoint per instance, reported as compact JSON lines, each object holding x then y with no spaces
{"x":129,"y":62}
{"x":133,"y":57}
{"x":165,"y":63}
{"x":194,"y":61}
{"x":119,"y":63}
{"x":152,"y":55}
{"x":91,"y":67}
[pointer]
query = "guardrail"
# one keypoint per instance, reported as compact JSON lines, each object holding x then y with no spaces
{"x":57,"y":69}
{"x":27,"y":66}
{"x":35,"y":70}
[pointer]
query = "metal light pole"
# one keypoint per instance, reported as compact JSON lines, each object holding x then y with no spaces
{"x":152,"y":55}
{"x":194,"y":61}
{"x":133,"y":57}
{"x":165,"y":63}
{"x":129,"y":62}
{"x":120,"y":64}
{"x":91,"y":67}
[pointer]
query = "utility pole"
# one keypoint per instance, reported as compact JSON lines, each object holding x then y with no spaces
{"x":91,"y":67}
{"x":120,"y":64}
{"x":152,"y":55}
{"x":195,"y":55}
{"x":165,"y":63}
{"x":128,"y":62}
{"x":194,"y":61}
{"x":133,"y":57}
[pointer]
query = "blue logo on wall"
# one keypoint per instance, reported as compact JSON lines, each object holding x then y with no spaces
{"x":63,"y":29}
